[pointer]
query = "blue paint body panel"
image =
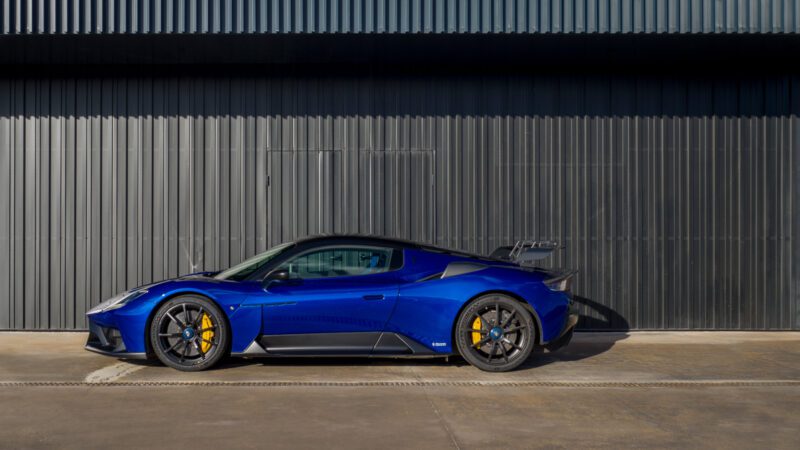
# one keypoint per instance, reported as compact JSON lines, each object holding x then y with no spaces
{"x":411,"y":301}
{"x":328,"y":305}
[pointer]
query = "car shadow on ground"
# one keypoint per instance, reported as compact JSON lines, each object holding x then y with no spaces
{"x":594,"y":317}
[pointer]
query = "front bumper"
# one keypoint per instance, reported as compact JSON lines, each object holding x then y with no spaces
{"x":108,"y":341}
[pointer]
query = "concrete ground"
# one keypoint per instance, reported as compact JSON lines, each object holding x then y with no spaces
{"x":647,"y":389}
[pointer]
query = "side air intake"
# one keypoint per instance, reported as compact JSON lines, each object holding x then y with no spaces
{"x":461,"y":268}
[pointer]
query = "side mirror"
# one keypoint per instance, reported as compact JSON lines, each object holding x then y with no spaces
{"x":276,"y":275}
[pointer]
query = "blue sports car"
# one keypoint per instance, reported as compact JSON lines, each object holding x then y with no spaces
{"x":346,"y":296}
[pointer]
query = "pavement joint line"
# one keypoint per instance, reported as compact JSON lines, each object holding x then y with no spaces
{"x":412,"y":383}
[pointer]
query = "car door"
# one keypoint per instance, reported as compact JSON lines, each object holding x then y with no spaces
{"x":337,"y":300}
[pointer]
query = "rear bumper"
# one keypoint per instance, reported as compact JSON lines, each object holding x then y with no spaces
{"x":566,"y":332}
{"x":572,"y":319}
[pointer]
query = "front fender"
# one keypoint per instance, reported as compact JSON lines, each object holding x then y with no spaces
{"x":134,"y":318}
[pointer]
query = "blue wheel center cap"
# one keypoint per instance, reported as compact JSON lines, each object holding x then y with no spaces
{"x":496,"y":333}
{"x":188,"y":334}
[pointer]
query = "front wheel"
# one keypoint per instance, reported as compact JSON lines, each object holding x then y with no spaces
{"x":495,"y":333}
{"x":189,"y":333}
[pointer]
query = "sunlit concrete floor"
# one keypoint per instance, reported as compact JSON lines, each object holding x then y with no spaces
{"x":612,"y":390}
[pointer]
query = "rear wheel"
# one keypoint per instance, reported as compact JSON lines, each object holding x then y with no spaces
{"x":189,"y":333}
{"x":495,"y":333}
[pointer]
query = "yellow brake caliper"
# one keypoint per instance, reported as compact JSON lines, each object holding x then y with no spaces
{"x":208,"y":336}
{"x":476,"y":325}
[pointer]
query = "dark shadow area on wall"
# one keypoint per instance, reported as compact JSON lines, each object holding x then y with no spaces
{"x":755,"y":53}
{"x":194,"y":92}
{"x":596,"y":316}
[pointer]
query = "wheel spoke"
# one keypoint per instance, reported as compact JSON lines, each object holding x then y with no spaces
{"x":491,"y":351}
{"x":482,"y":341}
{"x":508,"y":341}
{"x":503,"y":349}
{"x":199,"y":349}
{"x":169,"y":335}
{"x":175,"y":345}
{"x":511,"y":330}
{"x":175,"y":319}
{"x":508,"y":320}
{"x":207,"y":341}
{"x":475,"y":330}
{"x":198,"y":318}
{"x":186,"y":316}
{"x":484,"y":321}
{"x":497,"y":314}
{"x":185,"y":351}
{"x":211,"y":328}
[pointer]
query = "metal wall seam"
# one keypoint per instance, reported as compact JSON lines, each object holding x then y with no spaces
{"x":26,"y":17}
{"x":675,"y":197}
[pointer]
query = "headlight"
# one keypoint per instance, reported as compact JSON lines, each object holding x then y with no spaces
{"x":117,"y":301}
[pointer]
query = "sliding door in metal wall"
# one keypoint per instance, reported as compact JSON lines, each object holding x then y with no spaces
{"x":371,"y":192}
{"x":676,"y":197}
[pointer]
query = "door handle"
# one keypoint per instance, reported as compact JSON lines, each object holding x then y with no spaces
{"x":373,"y":297}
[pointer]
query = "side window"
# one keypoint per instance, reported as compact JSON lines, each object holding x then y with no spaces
{"x":339,"y":262}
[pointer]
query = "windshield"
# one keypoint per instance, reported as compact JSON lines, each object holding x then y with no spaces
{"x":242,"y":270}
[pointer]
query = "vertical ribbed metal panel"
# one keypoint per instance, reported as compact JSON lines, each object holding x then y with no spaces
{"x":398,"y":16}
{"x":676,"y":199}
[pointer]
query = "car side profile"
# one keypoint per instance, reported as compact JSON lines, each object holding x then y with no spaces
{"x":346,"y":296}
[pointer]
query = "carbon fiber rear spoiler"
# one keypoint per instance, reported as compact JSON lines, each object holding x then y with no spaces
{"x":525,"y":252}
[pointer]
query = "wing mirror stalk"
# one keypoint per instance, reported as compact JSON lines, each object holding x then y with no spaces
{"x":276,"y":275}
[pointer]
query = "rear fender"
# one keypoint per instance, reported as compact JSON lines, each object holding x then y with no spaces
{"x":536,"y":320}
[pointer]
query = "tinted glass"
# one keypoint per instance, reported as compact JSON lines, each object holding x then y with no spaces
{"x":339,"y":262}
{"x":243,"y":270}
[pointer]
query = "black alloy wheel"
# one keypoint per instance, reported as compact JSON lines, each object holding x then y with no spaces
{"x":189,"y":333}
{"x":495,"y":333}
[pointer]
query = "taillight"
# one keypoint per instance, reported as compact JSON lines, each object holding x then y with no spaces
{"x":560,"y":284}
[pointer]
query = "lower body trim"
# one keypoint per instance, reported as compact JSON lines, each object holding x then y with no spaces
{"x":122,"y":355}
{"x":372,"y":344}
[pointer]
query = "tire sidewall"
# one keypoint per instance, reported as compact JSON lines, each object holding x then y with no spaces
{"x":463,"y":342}
{"x":209,"y":307}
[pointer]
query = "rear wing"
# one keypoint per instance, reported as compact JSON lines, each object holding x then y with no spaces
{"x":525,"y":252}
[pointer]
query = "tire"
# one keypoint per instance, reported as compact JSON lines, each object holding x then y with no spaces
{"x":193,"y":345}
{"x":487,"y":348}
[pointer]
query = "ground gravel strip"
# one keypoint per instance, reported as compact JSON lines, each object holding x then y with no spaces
{"x":416,"y":383}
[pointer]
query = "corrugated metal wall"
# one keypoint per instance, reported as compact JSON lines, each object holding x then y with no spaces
{"x":398,"y":16}
{"x":677,"y":200}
